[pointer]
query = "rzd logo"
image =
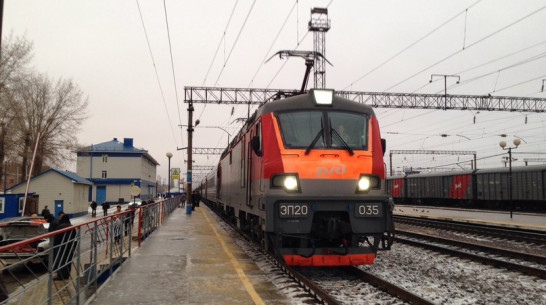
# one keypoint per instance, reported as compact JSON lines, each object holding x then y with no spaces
{"x":336,"y":169}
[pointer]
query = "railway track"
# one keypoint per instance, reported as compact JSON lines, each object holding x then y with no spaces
{"x":320,"y":295}
{"x":520,"y":235}
{"x":491,"y":256}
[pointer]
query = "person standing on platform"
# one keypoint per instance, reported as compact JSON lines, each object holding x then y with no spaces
{"x":93,"y":208}
{"x":105,"y":207}
{"x":63,"y":249}
{"x":54,"y":223}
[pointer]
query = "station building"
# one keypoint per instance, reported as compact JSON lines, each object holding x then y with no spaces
{"x":69,"y":195}
{"x":115,"y":168}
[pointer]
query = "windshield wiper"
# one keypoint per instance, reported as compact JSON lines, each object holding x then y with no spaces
{"x":345,"y":145}
{"x":314,"y":141}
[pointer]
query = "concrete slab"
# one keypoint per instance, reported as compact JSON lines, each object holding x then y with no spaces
{"x":189,"y":260}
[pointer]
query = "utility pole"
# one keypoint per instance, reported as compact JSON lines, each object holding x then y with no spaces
{"x":190,"y":143}
{"x":319,"y":25}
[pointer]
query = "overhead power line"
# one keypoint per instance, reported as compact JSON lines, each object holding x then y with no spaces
{"x":220,"y":42}
{"x":172,"y":62}
{"x":156,"y":74}
{"x":412,"y":44}
{"x":467,"y":47}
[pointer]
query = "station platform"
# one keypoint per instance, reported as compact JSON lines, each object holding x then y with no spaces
{"x":190,"y":259}
{"x":529,"y":221}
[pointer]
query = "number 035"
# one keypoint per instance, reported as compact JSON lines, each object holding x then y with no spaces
{"x":369,"y":210}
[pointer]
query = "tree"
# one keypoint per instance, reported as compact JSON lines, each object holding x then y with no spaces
{"x":14,"y":57}
{"x":55,"y":110}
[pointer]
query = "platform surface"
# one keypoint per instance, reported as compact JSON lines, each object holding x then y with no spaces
{"x":189,"y":260}
{"x":497,"y":218}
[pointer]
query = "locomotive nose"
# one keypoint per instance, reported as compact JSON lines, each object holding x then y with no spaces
{"x":331,"y":227}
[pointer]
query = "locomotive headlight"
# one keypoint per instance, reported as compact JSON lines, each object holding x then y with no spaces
{"x":367,"y":182}
{"x":290,"y":182}
{"x":364,"y":183}
{"x":323,"y":97}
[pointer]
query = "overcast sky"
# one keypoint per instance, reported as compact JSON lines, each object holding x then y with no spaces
{"x":496,"y":47}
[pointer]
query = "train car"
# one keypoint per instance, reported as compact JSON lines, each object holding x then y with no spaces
{"x":305,"y":177}
{"x":528,"y":188}
{"x":481,"y":189}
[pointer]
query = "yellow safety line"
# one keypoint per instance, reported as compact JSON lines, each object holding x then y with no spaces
{"x":246,"y":282}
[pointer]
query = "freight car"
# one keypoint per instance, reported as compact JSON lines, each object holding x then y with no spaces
{"x":305,"y":178}
{"x":479,"y":189}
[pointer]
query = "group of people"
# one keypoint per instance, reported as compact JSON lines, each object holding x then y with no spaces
{"x":105,"y":206}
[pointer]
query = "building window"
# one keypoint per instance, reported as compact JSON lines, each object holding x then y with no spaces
{"x":2,"y":200}
{"x":104,"y":158}
{"x":104,"y":176}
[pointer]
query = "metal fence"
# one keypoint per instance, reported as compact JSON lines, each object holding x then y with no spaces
{"x":68,"y":265}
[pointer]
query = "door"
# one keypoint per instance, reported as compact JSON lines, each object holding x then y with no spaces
{"x":101,"y":194}
{"x":59,"y":204}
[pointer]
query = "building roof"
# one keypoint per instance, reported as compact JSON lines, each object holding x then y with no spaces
{"x":115,"y":146}
{"x":67,"y":174}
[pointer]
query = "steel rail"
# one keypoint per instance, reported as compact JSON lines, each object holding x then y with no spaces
{"x":530,"y":236}
{"x":541,"y":273}
{"x":388,"y":287}
{"x":493,"y":250}
{"x":310,"y":287}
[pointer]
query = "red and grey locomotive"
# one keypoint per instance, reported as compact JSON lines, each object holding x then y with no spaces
{"x":305,"y":177}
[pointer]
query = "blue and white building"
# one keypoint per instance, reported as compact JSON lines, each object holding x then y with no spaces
{"x":114,"y":168}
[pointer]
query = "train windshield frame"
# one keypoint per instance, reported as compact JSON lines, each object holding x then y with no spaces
{"x":328,"y":129}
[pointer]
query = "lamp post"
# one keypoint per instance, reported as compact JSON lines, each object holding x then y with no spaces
{"x":169,"y":156}
{"x":502,"y":144}
{"x":445,"y":84}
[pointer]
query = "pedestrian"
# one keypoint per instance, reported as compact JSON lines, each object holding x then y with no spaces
{"x":118,"y":209}
{"x":54,"y":223}
{"x":105,"y":207}
{"x":93,"y":208}
{"x":117,"y":227}
{"x":46,"y":213}
{"x":130,"y":218}
{"x":63,"y":249}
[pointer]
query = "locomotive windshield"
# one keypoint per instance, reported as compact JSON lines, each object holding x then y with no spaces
{"x":324,"y":129}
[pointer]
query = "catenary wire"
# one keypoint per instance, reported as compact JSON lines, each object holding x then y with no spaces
{"x":411,"y":45}
{"x":156,"y":73}
{"x":220,"y":43}
{"x":273,"y":43}
{"x":172,"y":62}
{"x":230,"y":52}
{"x":468,"y":47}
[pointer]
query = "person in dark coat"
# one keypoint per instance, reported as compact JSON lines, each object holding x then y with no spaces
{"x":93,"y":208}
{"x":63,"y":251}
{"x":105,"y":207}
{"x":54,"y":223}
{"x":46,"y":213}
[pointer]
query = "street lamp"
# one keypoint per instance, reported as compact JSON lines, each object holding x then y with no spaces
{"x":502,"y":144}
{"x":169,"y":156}
{"x":228,"y":134}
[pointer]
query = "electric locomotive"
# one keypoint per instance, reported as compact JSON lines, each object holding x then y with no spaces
{"x":305,"y":177}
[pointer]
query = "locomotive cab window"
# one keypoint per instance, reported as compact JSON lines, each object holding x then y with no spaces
{"x":323,"y":129}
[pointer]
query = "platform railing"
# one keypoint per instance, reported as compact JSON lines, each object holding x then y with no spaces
{"x":67,"y":266}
